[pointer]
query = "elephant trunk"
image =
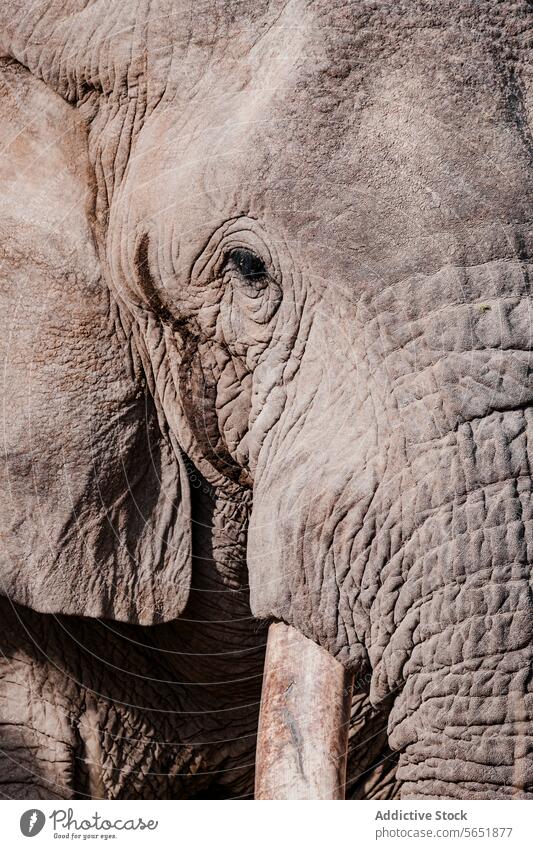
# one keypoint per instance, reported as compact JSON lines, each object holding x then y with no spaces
{"x":461,"y":718}
{"x":453,"y":625}
{"x":303,"y":727}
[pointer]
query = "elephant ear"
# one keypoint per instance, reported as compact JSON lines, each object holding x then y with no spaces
{"x":94,"y":502}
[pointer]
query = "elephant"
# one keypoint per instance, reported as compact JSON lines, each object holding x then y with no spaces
{"x":267,"y":362}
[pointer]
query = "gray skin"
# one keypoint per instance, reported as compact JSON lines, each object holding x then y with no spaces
{"x":267,"y":319}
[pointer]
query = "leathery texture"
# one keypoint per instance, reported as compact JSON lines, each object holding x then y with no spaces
{"x":106,"y":710}
{"x":405,"y":179}
{"x":449,"y":601}
{"x":99,"y":709}
{"x":425,"y":559}
{"x":453,"y":624}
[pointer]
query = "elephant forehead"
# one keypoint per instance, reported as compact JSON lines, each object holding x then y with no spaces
{"x":342,"y":135}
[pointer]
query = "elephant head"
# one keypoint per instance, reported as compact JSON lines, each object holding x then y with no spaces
{"x":296,"y":256}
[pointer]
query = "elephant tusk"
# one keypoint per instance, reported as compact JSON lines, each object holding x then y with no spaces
{"x":302,"y":739}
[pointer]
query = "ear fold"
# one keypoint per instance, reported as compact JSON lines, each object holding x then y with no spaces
{"x":94,"y":503}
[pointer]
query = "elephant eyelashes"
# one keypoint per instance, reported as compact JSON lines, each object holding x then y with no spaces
{"x":249,"y":266}
{"x":255,"y":293}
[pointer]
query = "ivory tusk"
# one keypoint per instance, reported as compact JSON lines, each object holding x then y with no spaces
{"x":302,"y":738}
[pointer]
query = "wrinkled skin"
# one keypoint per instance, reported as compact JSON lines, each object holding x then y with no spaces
{"x":310,"y":225}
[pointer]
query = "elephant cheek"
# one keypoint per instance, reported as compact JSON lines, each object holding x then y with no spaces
{"x":300,"y":555}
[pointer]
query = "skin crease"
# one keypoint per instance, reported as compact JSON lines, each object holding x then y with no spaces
{"x":371,"y":390}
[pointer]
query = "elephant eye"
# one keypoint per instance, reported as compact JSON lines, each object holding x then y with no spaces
{"x":249,"y":266}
